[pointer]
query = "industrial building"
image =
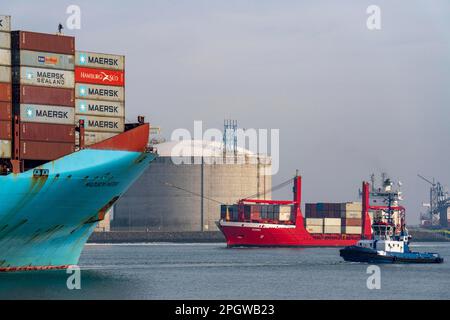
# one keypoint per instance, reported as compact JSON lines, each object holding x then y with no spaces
{"x":184,"y":187}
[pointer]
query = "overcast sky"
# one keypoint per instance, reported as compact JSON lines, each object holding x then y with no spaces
{"x":348,"y":101}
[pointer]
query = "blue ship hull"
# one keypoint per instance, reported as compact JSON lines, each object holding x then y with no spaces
{"x":47,"y":214}
{"x":358,"y":254}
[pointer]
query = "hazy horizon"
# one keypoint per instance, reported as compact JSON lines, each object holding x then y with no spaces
{"x":348,"y":101}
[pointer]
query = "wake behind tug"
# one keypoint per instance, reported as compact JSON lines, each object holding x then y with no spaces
{"x":389,"y":243}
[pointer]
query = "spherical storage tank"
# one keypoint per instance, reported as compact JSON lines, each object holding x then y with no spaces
{"x":183,"y":188}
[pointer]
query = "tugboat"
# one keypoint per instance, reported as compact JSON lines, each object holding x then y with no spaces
{"x":389,"y":241}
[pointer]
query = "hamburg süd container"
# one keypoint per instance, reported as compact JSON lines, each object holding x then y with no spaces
{"x":99,"y":60}
{"x":25,"y":40}
{"x":5,"y":130}
{"x":38,"y":150}
{"x":5,"y":23}
{"x":44,"y":95}
{"x":5,"y":40}
{"x":5,"y":149}
{"x":46,"y":114}
{"x":96,"y":92}
{"x":100,"y":108}
{"x":43,"y":77}
{"x":99,"y":76}
{"x":5,"y":111}
{"x":5,"y":74}
{"x":5,"y":92}
{"x":30,"y":131}
{"x":101,"y":124}
{"x":43,"y":60}
{"x":5,"y":57}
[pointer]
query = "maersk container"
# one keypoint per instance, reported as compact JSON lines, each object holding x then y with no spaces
{"x":37,"y":150}
{"x":5,"y":130}
{"x":102,"y":124}
{"x":25,"y":40}
{"x":99,"y":60}
{"x":5,"y":40}
{"x":96,"y":92}
{"x":5,"y":111}
{"x":47,"y":132}
{"x":100,"y":108}
{"x":91,"y":138}
{"x":44,"y":95}
{"x":5,"y":74}
{"x":5,"y":23}
{"x":5,"y":149}
{"x":5,"y":92}
{"x":43,"y":77}
{"x":5,"y":57}
{"x":46,"y":114}
{"x":44,"y":60}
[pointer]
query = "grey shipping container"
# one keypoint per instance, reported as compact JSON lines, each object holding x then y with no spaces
{"x":91,"y":138}
{"x":5,"y":40}
{"x":99,"y":60}
{"x":43,"y":60}
{"x":97,"y":92}
{"x":102,"y":124}
{"x":43,"y":77}
{"x":46,"y":114}
{"x":100,"y":108}
{"x":5,"y":74}
{"x":5,"y":57}
{"x":5,"y":23}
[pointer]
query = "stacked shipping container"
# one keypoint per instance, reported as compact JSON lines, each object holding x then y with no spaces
{"x":100,"y":98}
{"x":43,"y":94}
{"x":281,"y":213}
{"x":334,"y":218}
{"x":5,"y":88}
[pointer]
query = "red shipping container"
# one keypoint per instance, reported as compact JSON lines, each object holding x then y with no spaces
{"x":5,"y":111}
{"x":99,"y":76}
{"x":36,"y":150}
{"x":5,"y":130}
{"x":47,"y":132}
{"x":34,"y":41}
{"x":44,"y":95}
{"x":5,"y":92}
{"x":352,"y":222}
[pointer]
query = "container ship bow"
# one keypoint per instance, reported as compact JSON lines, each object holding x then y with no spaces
{"x":47,"y":213}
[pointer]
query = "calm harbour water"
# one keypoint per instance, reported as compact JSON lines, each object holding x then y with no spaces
{"x":211,"y":271}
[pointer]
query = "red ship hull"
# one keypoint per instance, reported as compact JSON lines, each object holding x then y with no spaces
{"x":240,"y":234}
